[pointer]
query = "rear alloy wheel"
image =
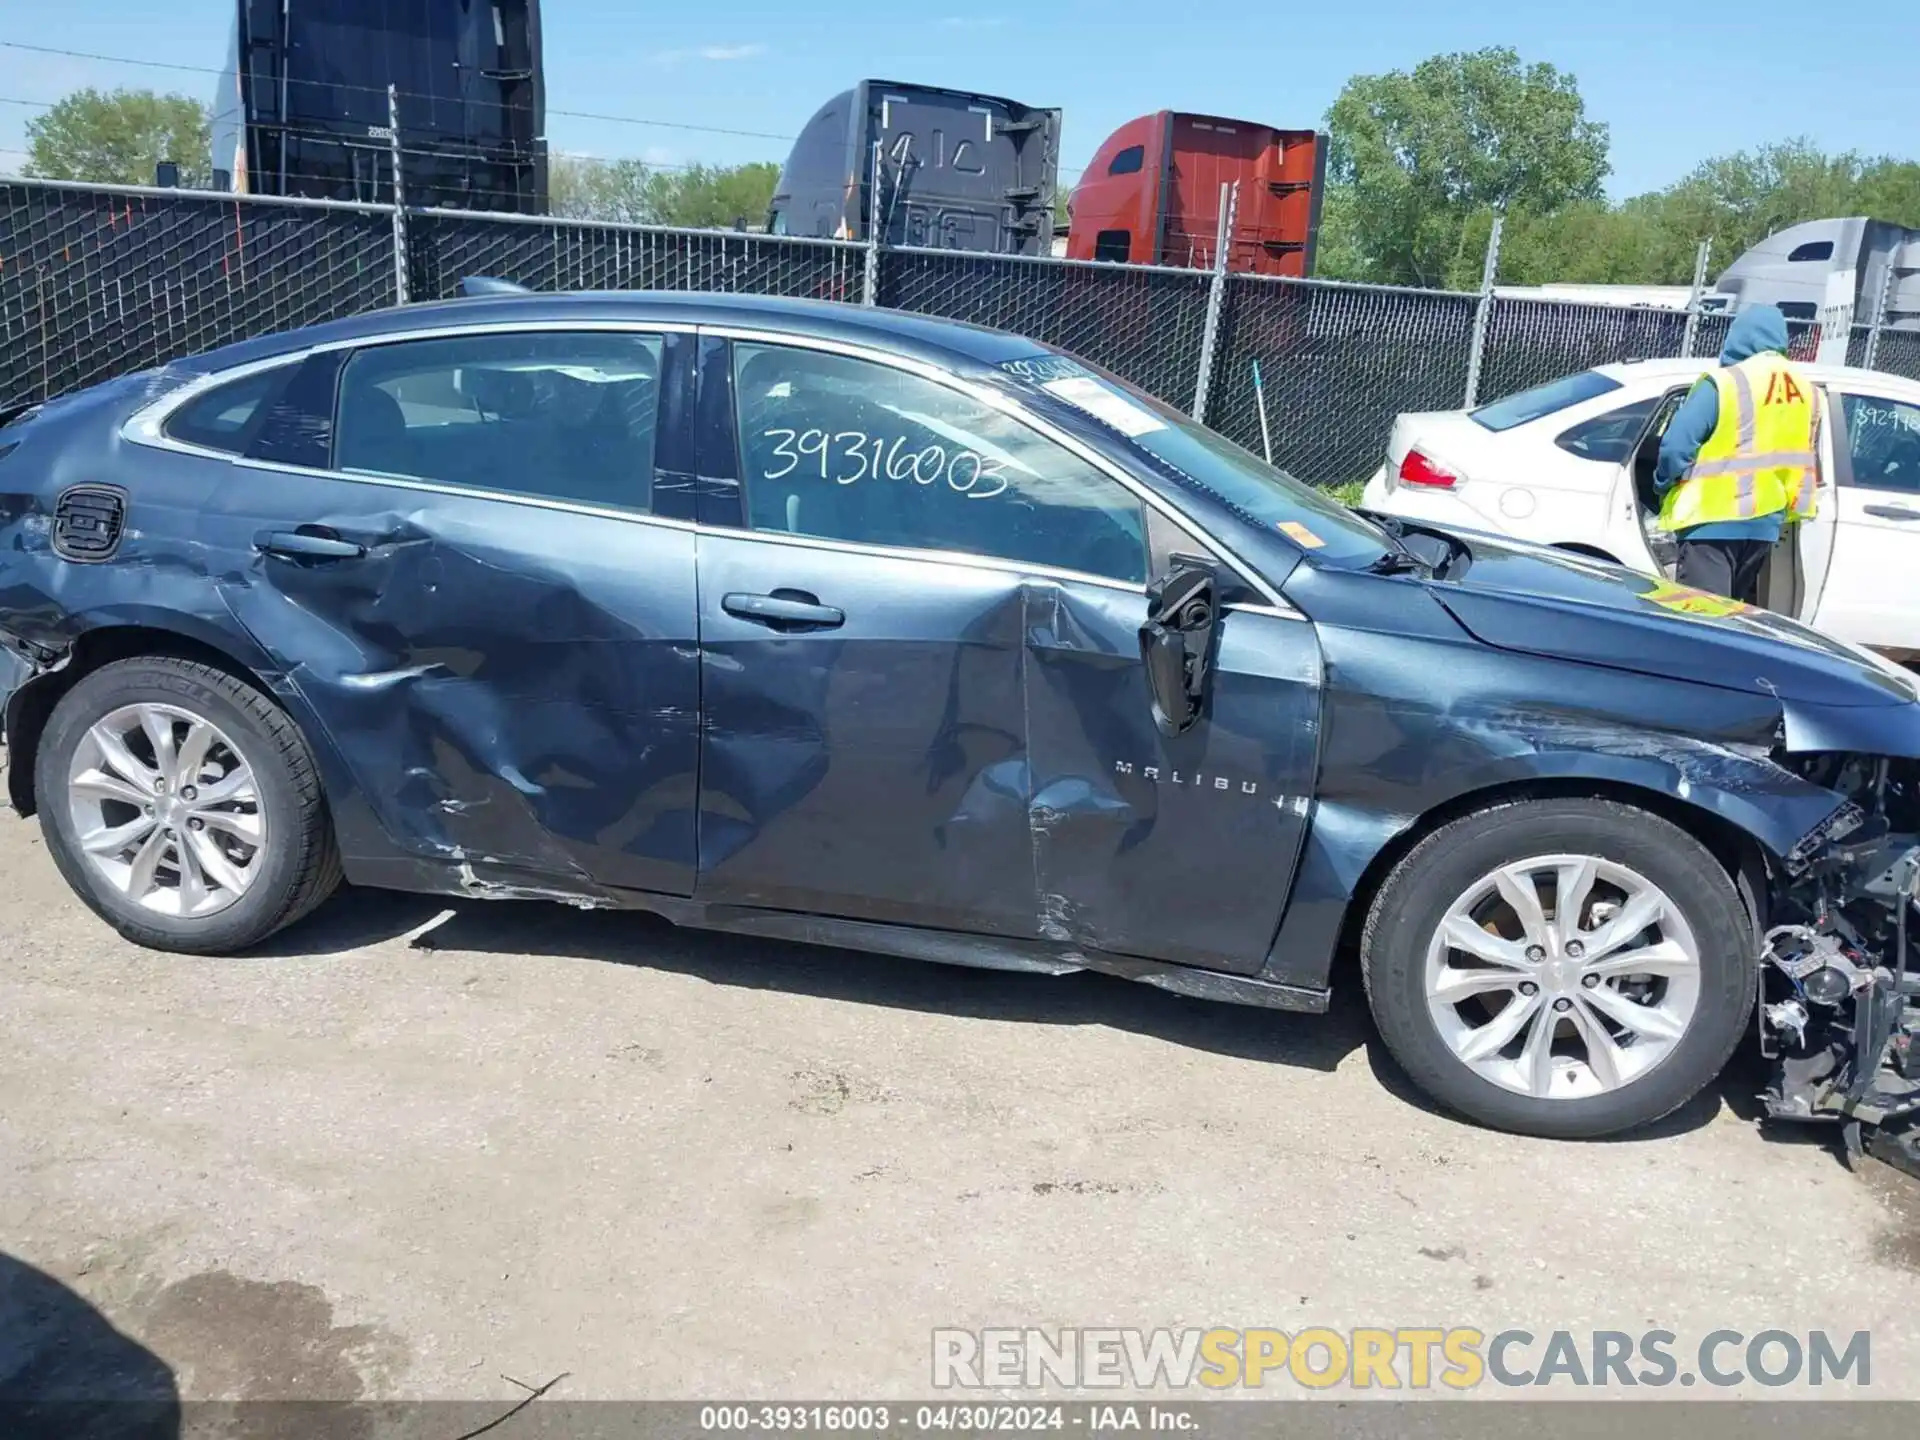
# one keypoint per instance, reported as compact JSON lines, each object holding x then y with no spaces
{"x":1568,"y":968}
{"x":183,"y":806}
{"x":166,"y":809}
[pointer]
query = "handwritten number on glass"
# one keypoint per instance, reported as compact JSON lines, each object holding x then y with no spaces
{"x":847,"y":457}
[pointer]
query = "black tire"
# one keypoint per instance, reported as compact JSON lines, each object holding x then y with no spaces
{"x":301,"y":863}
{"x":1410,"y":905}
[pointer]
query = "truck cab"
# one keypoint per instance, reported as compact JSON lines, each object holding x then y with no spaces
{"x":956,"y":171}
{"x":1152,"y":195}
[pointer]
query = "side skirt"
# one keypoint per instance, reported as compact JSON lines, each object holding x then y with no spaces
{"x":941,"y":947}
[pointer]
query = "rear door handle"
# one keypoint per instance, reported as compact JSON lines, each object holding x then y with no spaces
{"x":299,"y":545}
{"x":784,"y":610}
{"x":1893,"y":512}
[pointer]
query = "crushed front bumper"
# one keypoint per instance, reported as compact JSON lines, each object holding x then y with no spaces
{"x":1838,"y":1017}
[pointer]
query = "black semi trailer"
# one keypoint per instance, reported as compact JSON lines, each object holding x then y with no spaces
{"x":957,"y":171}
{"x":302,"y":107}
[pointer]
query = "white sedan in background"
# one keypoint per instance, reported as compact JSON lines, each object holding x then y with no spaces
{"x":1570,"y":464}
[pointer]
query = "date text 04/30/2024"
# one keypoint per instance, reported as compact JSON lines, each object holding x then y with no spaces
{"x":964,"y":1418}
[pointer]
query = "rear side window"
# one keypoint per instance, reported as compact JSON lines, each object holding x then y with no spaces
{"x":1542,"y":400}
{"x":557,"y":414}
{"x":1610,"y":437}
{"x":1812,"y":250}
{"x":1128,"y":161}
{"x":227,"y":416}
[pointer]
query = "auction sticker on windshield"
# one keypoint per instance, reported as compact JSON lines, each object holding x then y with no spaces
{"x":1299,"y":533}
{"x":1105,"y":404}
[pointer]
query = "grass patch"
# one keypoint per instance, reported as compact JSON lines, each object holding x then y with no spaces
{"x":1349,"y":493}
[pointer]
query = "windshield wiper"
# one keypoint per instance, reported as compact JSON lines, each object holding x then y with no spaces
{"x":1398,"y":562}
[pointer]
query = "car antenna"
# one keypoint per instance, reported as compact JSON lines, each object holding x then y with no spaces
{"x":488,"y":285}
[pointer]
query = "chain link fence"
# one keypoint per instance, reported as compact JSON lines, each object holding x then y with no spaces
{"x":97,"y":281}
{"x":1142,"y":322}
{"x":1335,"y":364}
{"x":443,"y":246}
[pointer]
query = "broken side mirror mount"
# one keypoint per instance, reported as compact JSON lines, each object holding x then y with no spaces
{"x":1176,"y":642}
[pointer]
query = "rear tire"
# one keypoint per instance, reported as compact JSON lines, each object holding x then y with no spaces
{"x":183,"y":806}
{"x":1594,"y":1046}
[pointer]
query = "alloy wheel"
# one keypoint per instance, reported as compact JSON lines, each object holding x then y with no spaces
{"x":166,"y":809}
{"x":1562,"y":976}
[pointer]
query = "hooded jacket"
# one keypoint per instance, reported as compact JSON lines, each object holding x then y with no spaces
{"x":1752,"y":333}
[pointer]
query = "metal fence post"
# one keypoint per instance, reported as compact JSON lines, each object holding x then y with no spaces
{"x":1880,"y":309}
{"x":400,"y":285}
{"x":1694,"y":296}
{"x":1216,"y":300}
{"x":1483,"y":312}
{"x":870,"y":281}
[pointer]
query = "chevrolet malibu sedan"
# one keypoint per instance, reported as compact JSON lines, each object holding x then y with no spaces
{"x":851,"y":627}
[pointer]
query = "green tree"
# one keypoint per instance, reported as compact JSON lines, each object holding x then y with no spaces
{"x":1419,"y":153}
{"x":714,"y":196}
{"x":633,"y":192}
{"x":119,"y":138}
{"x":583,"y":188}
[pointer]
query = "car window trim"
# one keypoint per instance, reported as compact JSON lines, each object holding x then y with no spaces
{"x":143,"y":427}
{"x":146,"y":426}
{"x":1016,"y":411}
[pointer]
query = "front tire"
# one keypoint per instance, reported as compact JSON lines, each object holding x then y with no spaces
{"x":1563,"y":968}
{"x":183,"y":806}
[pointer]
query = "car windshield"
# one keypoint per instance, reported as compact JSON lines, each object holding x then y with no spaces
{"x":1311,"y":519}
{"x":1544,"y":400}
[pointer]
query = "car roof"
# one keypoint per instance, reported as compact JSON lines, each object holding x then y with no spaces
{"x":945,"y":342}
{"x":1628,"y":371}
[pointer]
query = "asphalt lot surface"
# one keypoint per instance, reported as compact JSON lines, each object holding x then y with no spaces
{"x":676,"y":1165}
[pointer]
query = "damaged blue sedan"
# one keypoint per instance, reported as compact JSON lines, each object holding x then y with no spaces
{"x":852,"y":627}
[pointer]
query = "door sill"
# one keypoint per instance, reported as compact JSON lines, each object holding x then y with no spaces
{"x":940,"y":947}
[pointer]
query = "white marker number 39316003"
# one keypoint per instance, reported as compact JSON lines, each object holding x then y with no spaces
{"x":847,"y":457}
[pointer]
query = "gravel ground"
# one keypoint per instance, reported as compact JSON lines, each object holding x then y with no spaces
{"x":675,"y":1165}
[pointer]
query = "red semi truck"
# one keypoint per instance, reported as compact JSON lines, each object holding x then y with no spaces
{"x":1152,"y":195}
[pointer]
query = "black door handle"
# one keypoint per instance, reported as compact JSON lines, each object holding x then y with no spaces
{"x":1893,"y":512}
{"x":784,"y":610}
{"x":299,"y":545}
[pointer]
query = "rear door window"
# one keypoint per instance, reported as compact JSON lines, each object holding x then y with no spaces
{"x":563,"y":415}
{"x":1883,"y":443}
{"x":1609,"y":438}
{"x":1542,"y":400}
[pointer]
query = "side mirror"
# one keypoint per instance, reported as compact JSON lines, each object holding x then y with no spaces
{"x":1176,"y":643}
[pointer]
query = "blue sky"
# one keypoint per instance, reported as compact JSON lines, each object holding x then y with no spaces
{"x":766,"y":66}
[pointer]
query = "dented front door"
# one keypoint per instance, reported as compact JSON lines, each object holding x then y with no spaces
{"x":1174,"y":847}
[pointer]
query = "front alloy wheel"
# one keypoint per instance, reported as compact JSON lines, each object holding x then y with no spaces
{"x":1563,"y":976}
{"x":1565,"y":967}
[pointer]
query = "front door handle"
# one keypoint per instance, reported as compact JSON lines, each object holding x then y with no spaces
{"x":1893,"y":512}
{"x":784,"y":610}
{"x":299,"y":545}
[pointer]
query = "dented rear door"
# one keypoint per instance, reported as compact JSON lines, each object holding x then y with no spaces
{"x":482,"y":603}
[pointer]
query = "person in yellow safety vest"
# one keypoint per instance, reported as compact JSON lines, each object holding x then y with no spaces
{"x":1738,"y":461}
